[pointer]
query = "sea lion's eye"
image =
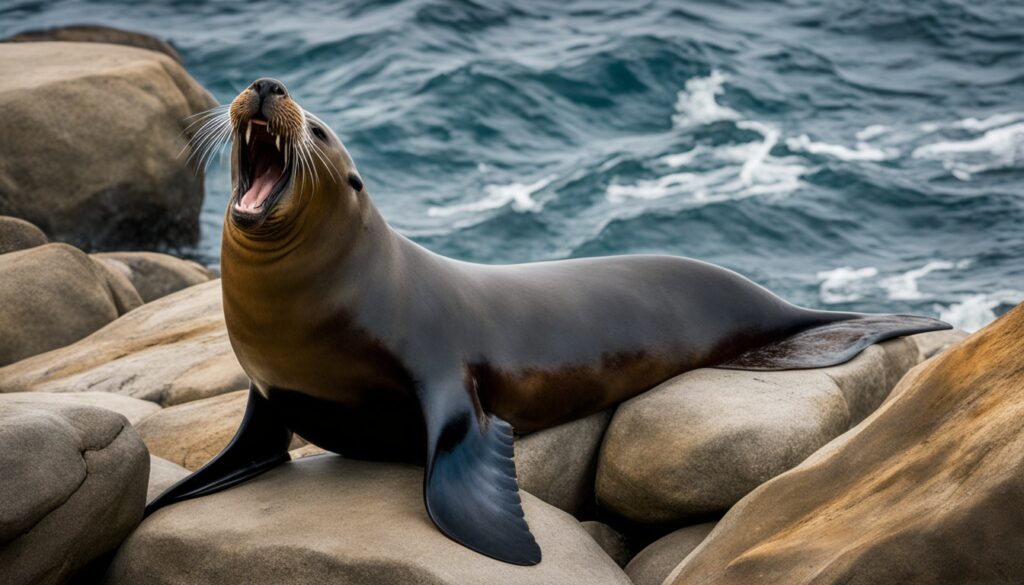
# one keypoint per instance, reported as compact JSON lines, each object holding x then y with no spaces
{"x":355,"y":182}
{"x":319,"y":133}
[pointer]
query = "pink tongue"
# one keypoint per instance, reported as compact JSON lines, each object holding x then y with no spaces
{"x":258,"y":191}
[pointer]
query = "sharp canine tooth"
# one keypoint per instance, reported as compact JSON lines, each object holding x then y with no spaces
{"x":277,"y":143}
{"x":248,"y":132}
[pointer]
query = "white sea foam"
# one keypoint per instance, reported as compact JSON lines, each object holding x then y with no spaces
{"x":904,"y":287}
{"x":519,"y":195}
{"x":862,"y":152}
{"x":683,"y":158}
{"x":871,"y":132}
{"x":696,"y":104}
{"x":844,"y":284}
{"x":738,"y":171}
{"x":997,"y":148}
{"x":975,"y":311}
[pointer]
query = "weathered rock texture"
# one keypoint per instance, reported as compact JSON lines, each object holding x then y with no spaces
{"x":327,"y":519}
{"x":170,"y":351}
{"x":53,"y":295}
{"x":698,"y":443}
{"x":927,"y":490}
{"x":92,"y":134}
{"x":156,"y":275}
{"x":18,"y":234}
{"x":72,"y":486}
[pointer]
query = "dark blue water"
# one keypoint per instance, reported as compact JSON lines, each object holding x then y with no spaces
{"x":849,"y":155}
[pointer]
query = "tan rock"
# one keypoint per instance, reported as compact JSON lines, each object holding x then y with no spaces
{"x":162,"y":475}
{"x":18,"y":234}
{"x":112,"y":119}
{"x":133,"y":409}
{"x":73,"y":486}
{"x":611,"y":541}
{"x":91,"y":33}
{"x":170,"y":351}
{"x":698,"y":443}
{"x":156,"y":275}
{"x":53,"y":295}
{"x":657,"y":560}
{"x":558,"y":464}
{"x":191,"y":434}
{"x":345,"y":521}
{"x":926,"y":490}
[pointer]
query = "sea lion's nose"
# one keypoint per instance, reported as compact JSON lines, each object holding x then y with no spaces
{"x":266,"y":87}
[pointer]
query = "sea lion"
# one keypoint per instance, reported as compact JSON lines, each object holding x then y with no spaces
{"x":371,"y":346}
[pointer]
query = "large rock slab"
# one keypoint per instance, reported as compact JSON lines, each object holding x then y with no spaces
{"x":191,"y":434}
{"x":696,"y":444}
{"x":18,"y":234}
{"x":73,"y":485}
{"x":926,"y":490}
{"x":53,"y":295}
{"x":330,"y":520}
{"x":170,"y":351}
{"x":156,"y":275}
{"x":92,"y":134}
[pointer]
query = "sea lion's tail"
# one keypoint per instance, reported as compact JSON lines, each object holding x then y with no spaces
{"x":832,"y":338}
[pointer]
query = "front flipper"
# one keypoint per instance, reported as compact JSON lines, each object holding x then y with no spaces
{"x":831,"y":343}
{"x":260,"y":444}
{"x":470,"y":485}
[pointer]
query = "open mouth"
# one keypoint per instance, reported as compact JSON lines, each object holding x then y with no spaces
{"x":263,"y":170}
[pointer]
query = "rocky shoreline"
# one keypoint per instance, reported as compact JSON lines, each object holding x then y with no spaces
{"x":905,"y":465}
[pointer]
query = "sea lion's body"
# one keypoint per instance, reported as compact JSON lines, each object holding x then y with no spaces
{"x":545,"y":342}
{"x":368,"y":345}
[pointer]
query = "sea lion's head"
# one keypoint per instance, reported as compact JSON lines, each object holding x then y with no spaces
{"x":285,"y":161}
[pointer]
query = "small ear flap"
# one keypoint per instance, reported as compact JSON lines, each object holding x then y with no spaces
{"x":355,"y":182}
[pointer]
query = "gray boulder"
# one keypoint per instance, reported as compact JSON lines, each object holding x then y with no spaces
{"x":558,"y":464}
{"x":54,"y":295}
{"x":18,"y":234}
{"x":156,"y":275}
{"x":73,"y":486}
{"x":699,"y":442}
{"x":92,"y":134}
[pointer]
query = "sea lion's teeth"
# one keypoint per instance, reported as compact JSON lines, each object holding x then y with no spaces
{"x":286,"y":157}
{"x":277,"y":143}
{"x":248,"y":132}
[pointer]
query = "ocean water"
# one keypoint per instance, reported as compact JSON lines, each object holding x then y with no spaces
{"x":848,"y":155}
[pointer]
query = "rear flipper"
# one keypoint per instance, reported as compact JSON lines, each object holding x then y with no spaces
{"x":832,"y":343}
{"x":260,"y":444}
{"x":470,"y":484}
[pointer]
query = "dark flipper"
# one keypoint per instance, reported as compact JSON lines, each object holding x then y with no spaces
{"x":260,"y":444}
{"x":832,"y":343}
{"x":470,"y":485}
